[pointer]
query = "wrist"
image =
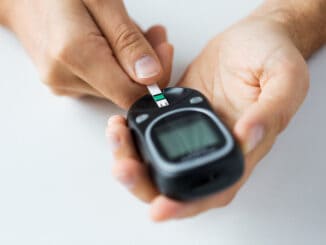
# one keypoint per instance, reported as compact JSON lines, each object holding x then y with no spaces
{"x":304,"y":22}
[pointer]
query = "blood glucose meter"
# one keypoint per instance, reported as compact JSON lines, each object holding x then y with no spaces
{"x":190,"y":153}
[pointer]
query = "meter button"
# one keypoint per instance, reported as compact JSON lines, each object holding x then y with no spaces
{"x":176,"y":91}
{"x":141,"y":118}
{"x":196,"y":100}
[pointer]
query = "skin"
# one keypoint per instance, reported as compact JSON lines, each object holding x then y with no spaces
{"x":89,"y":47}
{"x":254,"y":74}
{"x":256,"y":78}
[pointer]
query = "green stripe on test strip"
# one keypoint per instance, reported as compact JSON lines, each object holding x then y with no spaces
{"x":158,"y":97}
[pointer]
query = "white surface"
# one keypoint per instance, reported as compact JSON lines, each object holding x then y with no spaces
{"x":55,"y":182}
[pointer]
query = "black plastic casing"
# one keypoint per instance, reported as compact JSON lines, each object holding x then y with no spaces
{"x":195,"y":182}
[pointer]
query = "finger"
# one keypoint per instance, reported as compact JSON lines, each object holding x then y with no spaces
{"x":99,"y":68}
{"x":65,"y":92}
{"x":165,"y":53}
{"x":283,"y":91}
{"x":87,"y":55}
{"x":118,"y":133}
{"x":157,"y":37}
{"x":133,"y":176}
{"x":63,"y":82}
{"x":164,"y":208}
{"x":74,"y":93}
{"x":128,"y":169}
{"x":129,"y":45}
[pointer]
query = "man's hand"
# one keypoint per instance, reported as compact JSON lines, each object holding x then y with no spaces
{"x":255,"y":78}
{"x":85,"y":47}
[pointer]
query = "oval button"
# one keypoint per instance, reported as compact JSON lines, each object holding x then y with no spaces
{"x":142,"y":118}
{"x":196,"y":100}
{"x":176,"y":91}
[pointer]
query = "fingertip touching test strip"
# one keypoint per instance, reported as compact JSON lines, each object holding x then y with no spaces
{"x":157,"y":95}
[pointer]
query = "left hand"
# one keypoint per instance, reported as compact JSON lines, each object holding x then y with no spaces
{"x":256,"y":79}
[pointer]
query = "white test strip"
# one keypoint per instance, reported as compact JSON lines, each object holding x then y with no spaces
{"x":157,"y":95}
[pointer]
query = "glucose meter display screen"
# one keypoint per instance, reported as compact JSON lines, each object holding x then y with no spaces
{"x":187,"y":135}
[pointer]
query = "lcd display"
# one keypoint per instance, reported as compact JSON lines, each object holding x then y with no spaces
{"x":191,"y":133}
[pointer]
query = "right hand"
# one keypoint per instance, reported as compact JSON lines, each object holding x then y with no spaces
{"x":86,"y":47}
{"x":255,"y":78}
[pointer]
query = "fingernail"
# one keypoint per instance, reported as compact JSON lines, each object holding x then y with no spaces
{"x":147,"y":67}
{"x":126,"y":181}
{"x":114,"y":141}
{"x":255,"y":137}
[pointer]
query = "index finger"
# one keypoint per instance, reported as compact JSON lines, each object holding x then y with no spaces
{"x":131,"y":49}
{"x":128,"y":168}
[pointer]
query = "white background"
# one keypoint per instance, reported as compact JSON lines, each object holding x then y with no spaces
{"x":55,"y":182}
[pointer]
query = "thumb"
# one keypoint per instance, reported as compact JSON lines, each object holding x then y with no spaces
{"x":259,"y":122}
{"x":129,"y":45}
{"x":157,"y":37}
{"x":279,"y":100}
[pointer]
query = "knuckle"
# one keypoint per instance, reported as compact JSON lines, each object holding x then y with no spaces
{"x":127,"y":38}
{"x":74,"y":55}
{"x":59,"y":92}
{"x":78,"y":51}
{"x":62,"y":52}
{"x":64,"y":92}
{"x":95,"y":45}
{"x":50,"y":76}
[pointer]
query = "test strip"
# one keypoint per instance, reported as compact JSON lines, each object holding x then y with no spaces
{"x":157,"y":95}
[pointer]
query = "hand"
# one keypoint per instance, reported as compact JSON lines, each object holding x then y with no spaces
{"x":91,"y":47}
{"x":256,"y":79}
